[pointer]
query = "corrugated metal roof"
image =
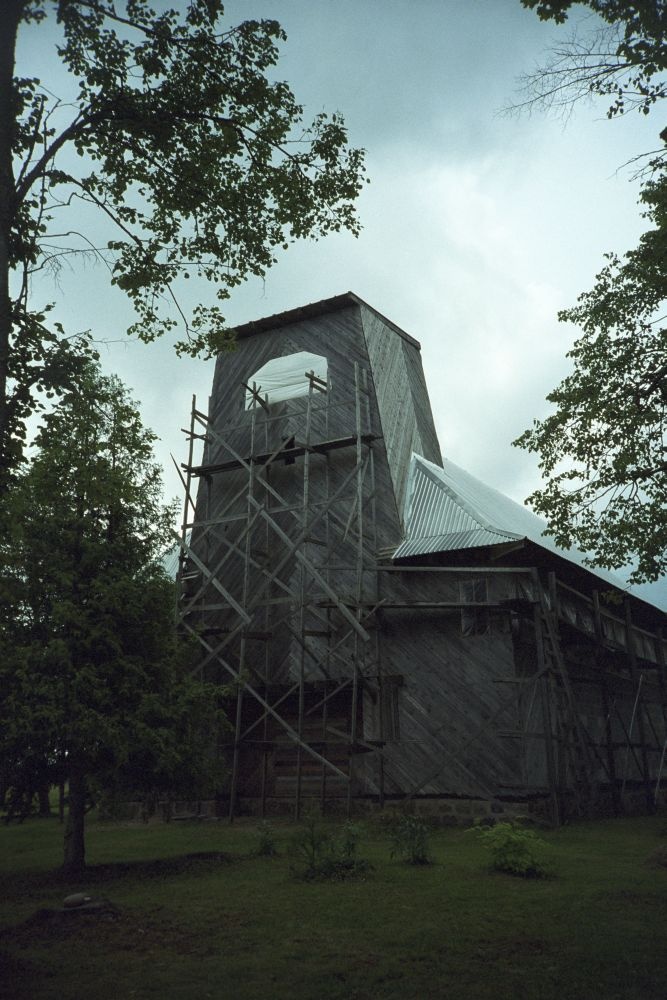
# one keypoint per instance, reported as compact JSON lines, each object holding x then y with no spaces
{"x":447,"y":509}
{"x":432,"y":509}
{"x":451,"y":542}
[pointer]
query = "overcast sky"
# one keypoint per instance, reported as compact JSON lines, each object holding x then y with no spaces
{"x":477,"y":227}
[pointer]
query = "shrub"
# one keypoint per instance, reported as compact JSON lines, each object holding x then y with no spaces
{"x":310,"y":843}
{"x":515,"y":850}
{"x":319,"y":855}
{"x":348,"y":840}
{"x":409,"y":840}
{"x":266,"y":847}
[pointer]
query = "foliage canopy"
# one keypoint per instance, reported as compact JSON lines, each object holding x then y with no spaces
{"x":602,"y":450}
{"x":186,"y":158}
{"x":621,"y":56}
{"x":94,"y":681}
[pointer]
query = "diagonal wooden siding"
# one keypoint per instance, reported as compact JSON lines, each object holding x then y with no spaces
{"x":402,"y":399}
{"x":449,"y":685}
{"x":453,"y":684}
{"x":339,"y":337}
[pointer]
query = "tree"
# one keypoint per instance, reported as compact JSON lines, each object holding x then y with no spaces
{"x":179,"y":141}
{"x":94,"y":683}
{"x":603,"y":449}
{"x":620,"y":56}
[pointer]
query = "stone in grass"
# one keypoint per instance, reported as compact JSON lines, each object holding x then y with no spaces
{"x":76,"y":899}
{"x":77,"y":904}
{"x":80,"y":903}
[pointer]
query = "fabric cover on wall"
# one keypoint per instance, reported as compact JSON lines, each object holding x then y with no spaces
{"x":285,"y":378}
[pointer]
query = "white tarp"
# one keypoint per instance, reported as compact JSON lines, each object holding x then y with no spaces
{"x":285,"y":378}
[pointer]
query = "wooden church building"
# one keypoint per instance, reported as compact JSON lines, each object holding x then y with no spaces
{"x":393,"y":630}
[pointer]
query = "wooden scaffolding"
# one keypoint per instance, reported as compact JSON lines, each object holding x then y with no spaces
{"x":282,"y":586}
{"x":260,"y":584}
{"x":589,"y":727}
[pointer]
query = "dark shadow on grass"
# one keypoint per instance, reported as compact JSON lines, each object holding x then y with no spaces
{"x":185,"y":864}
{"x":136,"y":931}
{"x":200,"y":863}
{"x":16,"y":976}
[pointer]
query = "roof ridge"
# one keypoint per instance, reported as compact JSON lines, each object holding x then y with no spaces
{"x":287,"y":317}
{"x":492,"y":531}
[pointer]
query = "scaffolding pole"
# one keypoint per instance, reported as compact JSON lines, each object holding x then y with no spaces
{"x":329,"y":631}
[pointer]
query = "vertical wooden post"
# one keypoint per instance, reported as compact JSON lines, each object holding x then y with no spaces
{"x":376,"y":595}
{"x":235,"y":758}
{"x":606,"y":707}
{"x":187,"y":502}
{"x":265,"y":764}
{"x":325,"y":712}
{"x":184,"y":531}
{"x":547,"y":724}
{"x":637,"y":680}
{"x":359,"y":584}
{"x":244,"y":601}
{"x":381,"y":703}
{"x":207,"y":561}
{"x":554,"y":599}
{"x":662,"y":682}
{"x":327,"y":577}
{"x":267,"y":644}
{"x":302,"y":599}
{"x":209,"y":492}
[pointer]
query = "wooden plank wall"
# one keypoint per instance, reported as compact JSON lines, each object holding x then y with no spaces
{"x":453,"y":685}
{"x":402,"y":399}
{"x":339,"y":337}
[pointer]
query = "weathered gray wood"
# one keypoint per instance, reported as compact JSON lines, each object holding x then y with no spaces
{"x":212,"y":579}
{"x":456,"y":570}
{"x":547,"y":723}
{"x":280,"y":719}
{"x":296,"y":500}
{"x":402,"y":400}
{"x":639,"y":706}
{"x":606,"y":703}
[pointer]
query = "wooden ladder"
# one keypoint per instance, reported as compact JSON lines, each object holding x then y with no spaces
{"x":575,"y":749}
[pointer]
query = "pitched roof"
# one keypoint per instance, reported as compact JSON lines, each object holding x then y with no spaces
{"x":447,"y":509}
{"x":314,"y":309}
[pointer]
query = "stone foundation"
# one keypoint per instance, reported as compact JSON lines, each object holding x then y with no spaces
{"x":442,"y":810}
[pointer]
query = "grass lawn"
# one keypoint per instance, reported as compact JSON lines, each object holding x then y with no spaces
{"x":239,"y":926}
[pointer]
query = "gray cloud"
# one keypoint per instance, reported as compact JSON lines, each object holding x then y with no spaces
{"x":476,"y":228}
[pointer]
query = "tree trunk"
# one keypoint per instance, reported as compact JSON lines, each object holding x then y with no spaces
{"x":43,"y":797}
{"x":11,"y":16}
{"x":75,"y":850}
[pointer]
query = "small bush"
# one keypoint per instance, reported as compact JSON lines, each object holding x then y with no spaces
{"x":409,"y":840}
{"x":333,"y":869}
{"x":266,"y":847}
{"x":346,"y":843}
{"x":317,"y":855}
{"x":310,"y":843}
{"x":514,"y":850}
